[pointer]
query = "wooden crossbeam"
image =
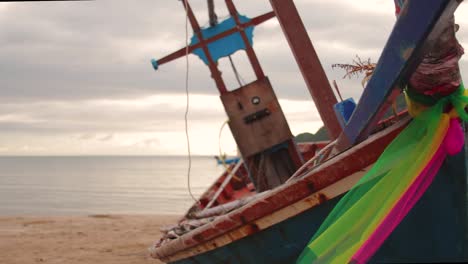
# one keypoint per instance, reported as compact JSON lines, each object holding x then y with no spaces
{"x":181,"y":52}
{"x":248,"y":48}
{"x":203,"y":43}
{"x":215,"y":73}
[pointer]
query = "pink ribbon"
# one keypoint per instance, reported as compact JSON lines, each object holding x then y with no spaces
{"x":453,"y":143}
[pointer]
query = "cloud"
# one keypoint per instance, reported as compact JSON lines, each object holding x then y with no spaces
{"x":151,"y":142}
{"x":141,"y":126}
{"x":102,"y":49}
{"x":86,"y":136}
{"x":107,"y":137}
{"x":77,"y":74}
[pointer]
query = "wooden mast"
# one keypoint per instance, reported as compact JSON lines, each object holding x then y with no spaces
{"x":255,"y":116}
{"x":309,"y":63}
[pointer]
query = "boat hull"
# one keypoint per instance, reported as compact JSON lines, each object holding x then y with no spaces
{"x":434,"y":231}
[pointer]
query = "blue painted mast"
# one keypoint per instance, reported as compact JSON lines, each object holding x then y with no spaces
{"x":420,"y":22}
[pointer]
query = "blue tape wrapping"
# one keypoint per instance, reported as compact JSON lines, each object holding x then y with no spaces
{"x":155,"y":64}
{"x":227,"y":45}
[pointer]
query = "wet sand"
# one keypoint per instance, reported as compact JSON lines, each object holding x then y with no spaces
{"x":102,"y":239}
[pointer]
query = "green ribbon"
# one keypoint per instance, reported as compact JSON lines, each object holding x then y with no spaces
{"x":458,"y":100}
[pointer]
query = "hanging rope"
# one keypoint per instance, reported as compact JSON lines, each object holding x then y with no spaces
{"x":187,"y":106}
{"x":213,"y":18}
{"x":239,"y":78}
{"x":222,"y":157}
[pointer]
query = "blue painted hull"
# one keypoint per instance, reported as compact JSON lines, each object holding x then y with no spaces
{"x":434,"y":231}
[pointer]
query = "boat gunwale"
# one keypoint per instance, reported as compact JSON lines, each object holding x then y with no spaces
{"x":304,"y":193}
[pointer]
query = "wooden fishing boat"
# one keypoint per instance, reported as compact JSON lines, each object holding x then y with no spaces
{"x":265,"y":208}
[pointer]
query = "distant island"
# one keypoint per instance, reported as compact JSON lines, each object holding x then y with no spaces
{"x":320,"y":135}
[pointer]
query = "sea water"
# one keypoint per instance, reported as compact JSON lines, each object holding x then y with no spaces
{"x":101,"y":184}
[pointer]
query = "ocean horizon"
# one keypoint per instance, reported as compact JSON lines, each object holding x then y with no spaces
{"x":98,"y":184}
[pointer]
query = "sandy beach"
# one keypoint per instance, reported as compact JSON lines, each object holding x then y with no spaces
{"x":102,"y":239}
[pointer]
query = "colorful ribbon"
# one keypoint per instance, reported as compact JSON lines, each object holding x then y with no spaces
{"x":371,"y":210}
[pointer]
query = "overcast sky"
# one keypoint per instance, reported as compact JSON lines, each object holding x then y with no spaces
{"x":76,"y":78}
